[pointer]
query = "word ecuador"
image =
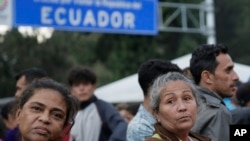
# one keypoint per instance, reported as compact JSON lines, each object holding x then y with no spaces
{"x":87,"y":17}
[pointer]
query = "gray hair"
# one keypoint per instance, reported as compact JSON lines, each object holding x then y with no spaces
{"x":161,"y":82}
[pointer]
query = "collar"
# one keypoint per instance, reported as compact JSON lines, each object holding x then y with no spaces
{"x":84,"y":104}
{"x":210,"y":96}
{"x":147,"y":114}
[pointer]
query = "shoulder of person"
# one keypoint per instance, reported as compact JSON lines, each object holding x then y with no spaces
{"x":199,"y":136}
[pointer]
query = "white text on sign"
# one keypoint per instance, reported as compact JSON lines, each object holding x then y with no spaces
{"x":78,"y":17}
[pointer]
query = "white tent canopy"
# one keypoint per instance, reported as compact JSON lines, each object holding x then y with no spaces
{"x":128,"y":89}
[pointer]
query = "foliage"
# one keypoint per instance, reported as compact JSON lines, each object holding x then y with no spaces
{"x":114,"y":56}
{"x":232,"y":26}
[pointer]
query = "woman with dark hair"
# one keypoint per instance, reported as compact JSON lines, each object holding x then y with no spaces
{"x":45,"y":109}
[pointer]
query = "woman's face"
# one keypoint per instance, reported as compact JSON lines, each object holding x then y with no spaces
{"x":177,"y":107}
{"x":43,"y":116}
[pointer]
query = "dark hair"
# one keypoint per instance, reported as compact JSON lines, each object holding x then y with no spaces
{"x":71,"y":102}
{"x":130,"y":107}
{"x":3,"y":129}
{"x":243,"y":94}
{"x":133,"y":108}
{"x":204,"y":58}
{"x":8,"y":108}
{"x":81,"y":75}
{"x":31,"y":74}
{"x":153,"y":68}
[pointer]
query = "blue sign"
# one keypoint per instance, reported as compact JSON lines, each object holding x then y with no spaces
{"x":108,"y":16}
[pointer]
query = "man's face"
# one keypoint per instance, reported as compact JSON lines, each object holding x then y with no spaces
{"x":20,"y":86}
{"x":83,"y":92}
{"x":224,"y":78}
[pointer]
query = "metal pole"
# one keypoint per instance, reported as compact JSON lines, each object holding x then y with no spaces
{"x":210,"y":20}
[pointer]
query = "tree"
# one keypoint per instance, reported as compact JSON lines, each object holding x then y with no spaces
{"x":234,"y":30}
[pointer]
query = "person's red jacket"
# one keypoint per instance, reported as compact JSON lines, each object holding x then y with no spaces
{"x":66,"y":134}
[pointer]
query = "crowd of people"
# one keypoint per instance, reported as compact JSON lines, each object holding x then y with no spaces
{"x":188,"y":104}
